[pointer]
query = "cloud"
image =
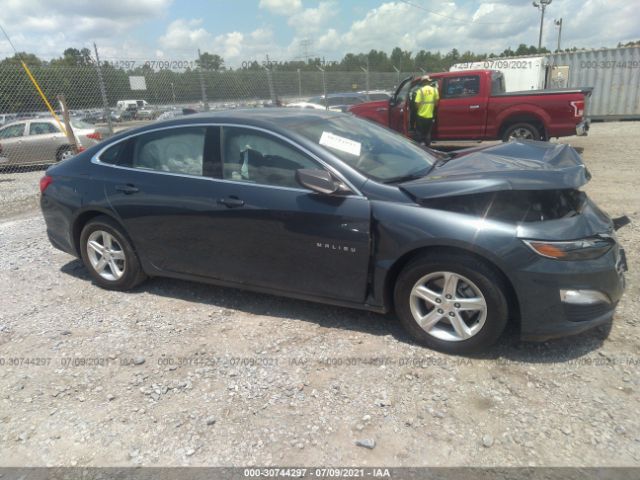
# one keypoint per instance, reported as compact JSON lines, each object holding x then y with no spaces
{"x":188,"y":35}
{"x":312,"y":20}
{"x":120,"y":27}
{"x":281,"y":7}
{"x":48,"y":28}
{"x":184,"y":34}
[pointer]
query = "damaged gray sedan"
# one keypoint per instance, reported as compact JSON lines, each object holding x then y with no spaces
{"x":331,"y":208}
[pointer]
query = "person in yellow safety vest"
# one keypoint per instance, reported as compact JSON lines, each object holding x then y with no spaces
{"x":426,"y":102}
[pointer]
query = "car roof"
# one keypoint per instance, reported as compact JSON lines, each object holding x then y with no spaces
{"x":276,"y":119}
{"x":259,"y":116}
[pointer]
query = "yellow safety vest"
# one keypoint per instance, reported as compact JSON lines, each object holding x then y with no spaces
{"x":426,"y":100}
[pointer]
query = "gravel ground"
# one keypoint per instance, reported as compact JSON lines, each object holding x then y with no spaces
{"x":178,"y":373}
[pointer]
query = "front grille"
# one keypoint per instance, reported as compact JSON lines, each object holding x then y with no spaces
{"x":584,"y":313}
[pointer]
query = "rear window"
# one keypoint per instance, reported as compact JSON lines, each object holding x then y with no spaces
{"x":497,"y":83}
{"x":76,"y":123}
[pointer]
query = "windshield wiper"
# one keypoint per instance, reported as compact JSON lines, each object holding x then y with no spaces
{"x":411,"y":176}
{"x":420,"y":173}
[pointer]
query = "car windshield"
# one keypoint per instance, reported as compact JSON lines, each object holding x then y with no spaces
{"x":374,"y":151}
{"x":80,"y":124}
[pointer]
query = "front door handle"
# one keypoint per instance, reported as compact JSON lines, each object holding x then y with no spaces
{"x":127,"y":189}
{"x":474,"y":107}
{"x":231,"y":202}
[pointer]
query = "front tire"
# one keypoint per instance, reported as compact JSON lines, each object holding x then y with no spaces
{"x":109,"y":256}
{"x":452,"y":303}
{"x":521,"y":131}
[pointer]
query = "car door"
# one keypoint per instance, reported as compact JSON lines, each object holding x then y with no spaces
{"x":462,"y":109}
{"x":160,"y":186}
{"x":11,"y":141}
{"x":43,"y":141}
{"x":398,"y":107}
{"x":271,"y":232}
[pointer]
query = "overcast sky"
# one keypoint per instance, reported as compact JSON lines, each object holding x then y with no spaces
{"x":245,"y":30}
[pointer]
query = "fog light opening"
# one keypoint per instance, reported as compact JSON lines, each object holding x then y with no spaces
{"x":583,"y":297}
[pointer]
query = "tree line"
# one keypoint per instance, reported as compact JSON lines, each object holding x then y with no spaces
{"x":74,"y":73}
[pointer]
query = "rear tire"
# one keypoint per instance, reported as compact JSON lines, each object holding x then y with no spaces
{"x":460,"y":301}
{"x":521,"y":131}
{"x":109,"y":256}
{"x":64,"y":153}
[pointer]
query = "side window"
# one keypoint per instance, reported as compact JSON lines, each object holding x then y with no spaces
{"x":179,"y":150}
{"x":255,"y":157}
{"x":12,"y":131}
{"x":459,"y":87}
{"x":112,"y":155}
{"x":40,"y":128}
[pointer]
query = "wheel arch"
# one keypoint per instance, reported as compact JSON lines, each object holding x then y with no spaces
{"x":87,"y":215}
{"x":403,"y":260}
{"x":535,"y":117}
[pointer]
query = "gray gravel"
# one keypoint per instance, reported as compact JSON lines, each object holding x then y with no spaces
{"x":178,"y":373}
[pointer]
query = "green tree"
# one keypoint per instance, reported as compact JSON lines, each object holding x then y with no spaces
{"x":210,"y":62}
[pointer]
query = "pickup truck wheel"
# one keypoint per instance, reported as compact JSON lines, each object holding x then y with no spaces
{"x":453,"y":303}
{"x":521,"y":131}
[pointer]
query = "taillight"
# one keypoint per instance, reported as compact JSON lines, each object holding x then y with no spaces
{"x":95,"y":136}
{"x":45,"y":182}
{"x":578,"y":108}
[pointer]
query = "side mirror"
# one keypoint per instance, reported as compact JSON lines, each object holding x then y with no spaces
{"x":318,"y":180}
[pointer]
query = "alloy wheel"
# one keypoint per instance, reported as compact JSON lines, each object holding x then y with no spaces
{"x":521,"y":134}
{"x":106,"y":255}
{"x":448,"y":306}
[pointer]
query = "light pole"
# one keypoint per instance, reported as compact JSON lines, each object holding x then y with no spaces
{"x":541,"y":5}
{"x":559,"y":25}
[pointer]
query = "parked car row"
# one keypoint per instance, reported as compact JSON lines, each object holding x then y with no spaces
{"x":340,"y":102}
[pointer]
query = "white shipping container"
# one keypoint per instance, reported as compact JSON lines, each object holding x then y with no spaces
{"x":521,"y":73}
{"x":614,"y":74}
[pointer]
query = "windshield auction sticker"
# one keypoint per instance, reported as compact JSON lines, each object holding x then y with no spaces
{"x":330,"y":140}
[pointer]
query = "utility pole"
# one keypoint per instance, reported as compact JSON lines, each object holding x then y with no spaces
{"x":324,"y":87}
{"x":541,"y":5}
{"x":305,"y":43}
{"x":559,"y":25}
{"x":203,"y":89}
{"x":397,"y":74}
{"x":103,"y":91}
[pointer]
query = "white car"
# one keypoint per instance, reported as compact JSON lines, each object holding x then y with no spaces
{"x":305,"y":105}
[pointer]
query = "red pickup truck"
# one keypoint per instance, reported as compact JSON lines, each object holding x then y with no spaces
{"x":474,"y":106}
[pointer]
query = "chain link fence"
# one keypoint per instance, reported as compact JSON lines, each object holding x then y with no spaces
{"x":118,"y":95}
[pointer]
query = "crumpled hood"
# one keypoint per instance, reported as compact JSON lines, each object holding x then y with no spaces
{"x":517,"y":165}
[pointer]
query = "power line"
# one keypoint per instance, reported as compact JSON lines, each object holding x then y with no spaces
{"x":452,"y":18}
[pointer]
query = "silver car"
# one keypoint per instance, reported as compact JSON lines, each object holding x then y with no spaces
{"x":40,"y":140}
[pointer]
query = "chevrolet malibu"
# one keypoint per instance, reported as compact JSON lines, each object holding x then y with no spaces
{"x":327,"y":207}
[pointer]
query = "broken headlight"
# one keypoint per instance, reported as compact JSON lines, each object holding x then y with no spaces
{"x":583,"y":249}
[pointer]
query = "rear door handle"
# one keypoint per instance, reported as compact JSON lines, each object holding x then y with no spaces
{"x":474,"y":107}
{"x":231,"y":202}
{"x":127,"y":189}
{"x":381,"y":109}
